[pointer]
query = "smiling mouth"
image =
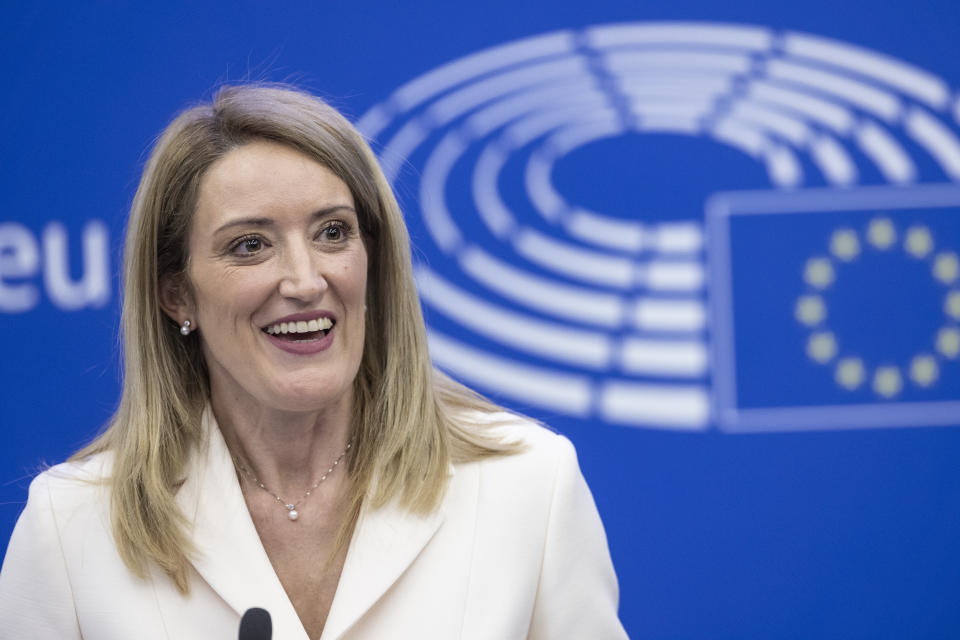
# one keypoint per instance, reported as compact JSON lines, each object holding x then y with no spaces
{"x":302,"y":330}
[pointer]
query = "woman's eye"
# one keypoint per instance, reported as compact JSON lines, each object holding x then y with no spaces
{"x":247,"y":246}
{"x":333,"y":233}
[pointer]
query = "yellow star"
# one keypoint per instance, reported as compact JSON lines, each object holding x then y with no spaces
{"x":819,"y":273}
{"x":951,"y":306}
{"x":849,"y":373}
{"x":844,"y":244}
{"x":924,"y":370}
{"x":948,"y":342}
{"x":810,"y":310}
{"x":946,"y":267}
{"x":887,"y":381}
{"x":881,"y":233}
{"x":919,"y":242}
{"x":822,"y":347}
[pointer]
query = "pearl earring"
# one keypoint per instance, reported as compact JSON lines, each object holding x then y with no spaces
{"x":185,"y":328}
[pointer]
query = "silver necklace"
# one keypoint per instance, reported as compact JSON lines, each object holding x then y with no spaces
{"x":291,"y":507}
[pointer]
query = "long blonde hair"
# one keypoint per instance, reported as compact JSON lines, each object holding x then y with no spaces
{"x":410,"y":422}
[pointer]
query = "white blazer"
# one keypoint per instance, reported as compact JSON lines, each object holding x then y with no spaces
{"x":515,"y":550}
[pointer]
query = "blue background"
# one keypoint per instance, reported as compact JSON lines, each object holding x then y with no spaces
{"x":833,"y":534}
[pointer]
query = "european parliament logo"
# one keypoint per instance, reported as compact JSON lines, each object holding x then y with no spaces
{"x":567,"y":259}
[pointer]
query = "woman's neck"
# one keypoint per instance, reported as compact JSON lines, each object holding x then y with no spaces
{"x":287,"y":451}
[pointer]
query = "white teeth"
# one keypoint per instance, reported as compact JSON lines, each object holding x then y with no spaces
{"x":301,"y":326}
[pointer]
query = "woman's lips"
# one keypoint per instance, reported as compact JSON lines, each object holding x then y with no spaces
{"x":302,"y":342}
{"x":300,"y":326}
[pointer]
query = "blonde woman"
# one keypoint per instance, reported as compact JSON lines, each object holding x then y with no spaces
{"x":282,"y":440}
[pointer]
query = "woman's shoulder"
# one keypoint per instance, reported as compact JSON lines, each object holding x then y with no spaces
{"x":536,"y":437}
{"x":85,"y":477}
{"x":535,"y":502}
{"x":67,"y":504}
{"x":540,"y":454}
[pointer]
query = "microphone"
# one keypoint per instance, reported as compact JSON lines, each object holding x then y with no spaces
{"x":255,"y":625}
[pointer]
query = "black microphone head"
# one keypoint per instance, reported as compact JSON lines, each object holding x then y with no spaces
{"x":255,"y":625}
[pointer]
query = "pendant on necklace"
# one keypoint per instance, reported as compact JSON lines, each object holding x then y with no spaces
{"x":292,"y":512}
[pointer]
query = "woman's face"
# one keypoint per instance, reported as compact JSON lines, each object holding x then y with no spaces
{"x":277,"y":280}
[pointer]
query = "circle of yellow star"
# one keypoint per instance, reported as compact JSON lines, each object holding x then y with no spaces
{"x":850,"y":371}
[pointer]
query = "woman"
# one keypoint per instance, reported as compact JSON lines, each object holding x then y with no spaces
{"x":282,"y":440}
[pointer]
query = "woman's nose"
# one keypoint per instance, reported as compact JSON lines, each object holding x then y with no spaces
{"x":302,"y":276}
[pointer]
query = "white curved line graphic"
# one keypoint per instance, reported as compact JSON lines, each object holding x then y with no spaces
{"x":477,"y":94}
{"x":627,"y":60}
{"x":885,"y":152}
{"x":605,"y":232}
{"x":548,"y":340}
{"x":669,"y":315}
{"x":739,"y":136}
{"x":486,"y":192}
{"x":782,"y":166}
{"x":536,"y":125}
{"x":401,"y":146}
{"x":542,"y":294}
{"x":668,"y":358}
{"x":908,"y":78}
{"x":936,"y":138}
{"x":539,"y":386}
{"x":632,"y":403}
{"x":702,"y":34}
{"x":573,"y":261}
{"x":699,"y":87}
{"x":833,"y":161}
{"x":670,"y":275}
{"x":572,"y":93}
{"x":787,"y":126}
{"x":827,"y":113}
{"x":432,"y":198}
{"x":864,"y":96}
{"x":536,"y":179}
{"x":670,"y":124}
{"x":493,"y":59}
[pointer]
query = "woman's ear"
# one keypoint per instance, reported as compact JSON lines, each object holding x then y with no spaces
{"x":175,"y":299}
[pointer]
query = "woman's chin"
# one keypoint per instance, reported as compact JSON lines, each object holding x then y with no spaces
{"x":311,"y":398}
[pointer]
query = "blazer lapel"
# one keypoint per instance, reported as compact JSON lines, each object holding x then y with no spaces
{"x":385,"y":542}
{"x":230,"y":556}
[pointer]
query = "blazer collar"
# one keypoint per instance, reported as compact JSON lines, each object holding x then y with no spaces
{"x":231,"y":559}
{"x":229,"y":555}
{"x":385,"y":542}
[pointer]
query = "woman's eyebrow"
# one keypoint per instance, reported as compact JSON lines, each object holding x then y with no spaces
{"x":244,"y":222}
{"x":266,"y":222}
{"x":331,"y":209}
